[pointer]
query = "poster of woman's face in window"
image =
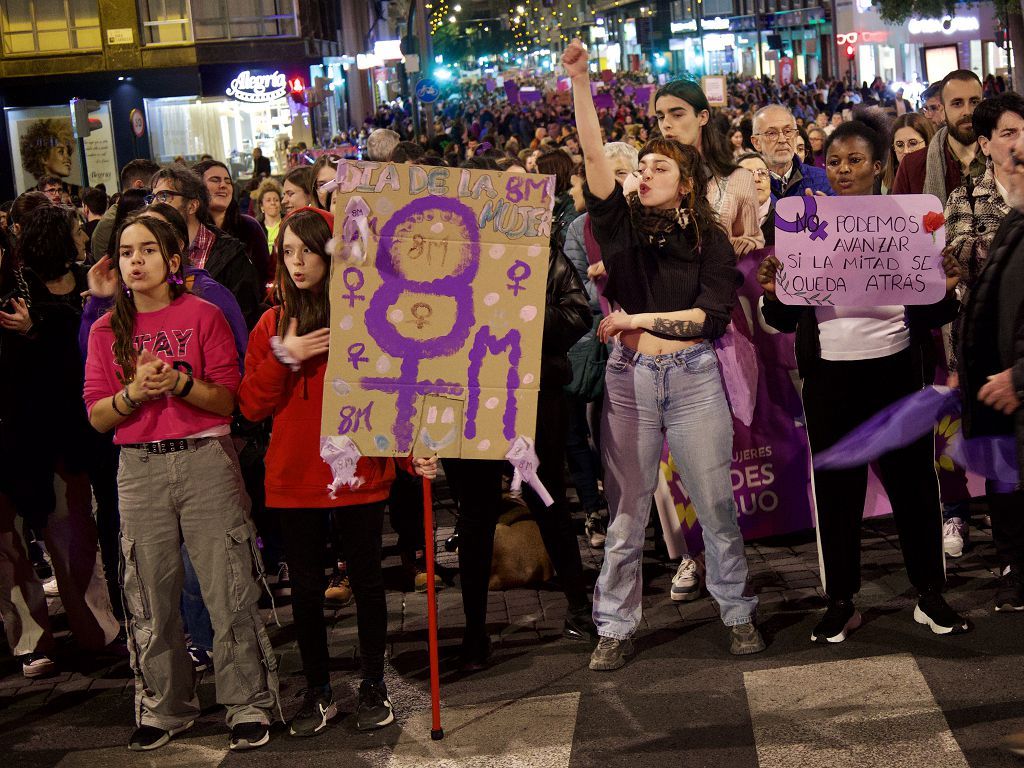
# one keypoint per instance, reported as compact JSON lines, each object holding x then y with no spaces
{"x":43,"y":145}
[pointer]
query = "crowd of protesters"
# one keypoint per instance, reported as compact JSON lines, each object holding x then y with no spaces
{"x":175,"y":338}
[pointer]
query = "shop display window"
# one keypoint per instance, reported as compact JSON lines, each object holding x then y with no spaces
{"x":226,"y":129}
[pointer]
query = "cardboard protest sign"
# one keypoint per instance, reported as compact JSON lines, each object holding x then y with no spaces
{"x":437,"y":309}
{"x":715,"y":89}
{"x":873,"y":250}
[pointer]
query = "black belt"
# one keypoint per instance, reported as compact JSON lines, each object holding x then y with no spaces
{"x":167,"y":446}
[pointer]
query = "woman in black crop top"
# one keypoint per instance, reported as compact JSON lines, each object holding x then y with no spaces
{"x":672,"y":272}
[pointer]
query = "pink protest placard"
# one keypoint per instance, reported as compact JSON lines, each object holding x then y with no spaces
{"x":865,"y":251}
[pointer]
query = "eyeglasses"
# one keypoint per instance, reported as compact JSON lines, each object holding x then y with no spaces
{"x":910,"y":145}
{"x":163,"y":196}
{"x":760,"y":173}
{"x":772,"y":134}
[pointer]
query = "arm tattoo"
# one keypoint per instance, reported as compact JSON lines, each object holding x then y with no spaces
{"x":679,"y":329}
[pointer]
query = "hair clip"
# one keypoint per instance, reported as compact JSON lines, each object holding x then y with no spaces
{"x":175,"y":279}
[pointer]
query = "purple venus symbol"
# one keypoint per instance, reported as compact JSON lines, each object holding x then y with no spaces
{"x":517,"y":273}
{"x":808,"y":222}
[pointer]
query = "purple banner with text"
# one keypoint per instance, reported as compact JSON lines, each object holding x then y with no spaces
{"x":770,"y":468}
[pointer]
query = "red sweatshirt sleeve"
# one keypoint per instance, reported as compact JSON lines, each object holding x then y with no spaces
{"x":265,"y":384}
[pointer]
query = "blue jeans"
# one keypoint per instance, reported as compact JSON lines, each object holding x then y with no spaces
{"x":649,"y":399}
{"x":584,"y":466}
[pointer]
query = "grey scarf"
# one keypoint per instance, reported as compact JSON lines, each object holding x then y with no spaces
{"x":935,"y":166}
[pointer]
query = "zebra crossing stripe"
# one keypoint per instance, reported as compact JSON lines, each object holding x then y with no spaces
{"x":865,"y":712}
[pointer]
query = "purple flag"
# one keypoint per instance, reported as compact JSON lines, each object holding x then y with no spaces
{"x":642,"y":95}
{"x":512,"y":92}
{"x":896,"y":426}
{"x":604,"y":101}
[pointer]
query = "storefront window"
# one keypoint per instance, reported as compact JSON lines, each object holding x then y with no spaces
{"x":226,"y":129}
{"x":233,"y":19}
{"x":49,"y":26}
{"x":165,"y":22}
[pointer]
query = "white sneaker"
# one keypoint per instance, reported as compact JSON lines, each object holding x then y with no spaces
{"x":954,"y":533}
{"x":686,"y":582}
{"x":50,"y":587}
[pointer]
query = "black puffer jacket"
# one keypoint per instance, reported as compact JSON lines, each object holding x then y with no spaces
{"x":229,"y":264}
{"x":567,"y":317}
{"x":992,"y":335}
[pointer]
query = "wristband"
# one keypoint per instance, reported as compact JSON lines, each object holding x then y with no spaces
{"x":133,"y":404}
{"x":283,"y":355}
{"x":113,"y":404}
{"x":189,"y":381}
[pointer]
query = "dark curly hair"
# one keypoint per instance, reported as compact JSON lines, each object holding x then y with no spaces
{"x":46,"y":242}
{"x":41,"y":137}
{"x":869,"y":124}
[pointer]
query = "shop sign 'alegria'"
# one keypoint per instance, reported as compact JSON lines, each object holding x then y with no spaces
{"x":860,"y":251}
{"x":437,"y":309}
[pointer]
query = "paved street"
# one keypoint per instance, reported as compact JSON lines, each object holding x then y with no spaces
{"x":892,"y":695}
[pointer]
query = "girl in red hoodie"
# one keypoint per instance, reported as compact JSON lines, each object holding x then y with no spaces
{"x":284,"y":379}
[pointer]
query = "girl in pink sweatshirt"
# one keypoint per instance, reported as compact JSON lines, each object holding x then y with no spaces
{"x":162,"y":370}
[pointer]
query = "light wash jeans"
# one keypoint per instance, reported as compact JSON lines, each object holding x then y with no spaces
{"x":649,"y":399}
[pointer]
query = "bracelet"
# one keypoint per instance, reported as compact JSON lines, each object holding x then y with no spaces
{"x":113,"y":404}
{"x":189,"y":381}
{"x":133,"y":404}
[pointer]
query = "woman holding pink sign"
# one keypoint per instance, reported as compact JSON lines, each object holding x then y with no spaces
{"x":854,"y":362}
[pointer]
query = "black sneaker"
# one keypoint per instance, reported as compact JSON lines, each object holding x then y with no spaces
{"x":374,"y":709}
{"x":1010,"y":595}
{"x":147,"y":737}
{"x":474,"y":653}
{"x":933,"y":610}
{"x":318,"y":708}
{"x":839,"y":620}
{"x":579,"y":625}
{"x":249,"y":736}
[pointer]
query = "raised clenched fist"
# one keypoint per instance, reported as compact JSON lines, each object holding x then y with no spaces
{"x":575,"y":59}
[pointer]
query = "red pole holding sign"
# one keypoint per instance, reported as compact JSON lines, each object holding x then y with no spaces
{"x":436,"y":732}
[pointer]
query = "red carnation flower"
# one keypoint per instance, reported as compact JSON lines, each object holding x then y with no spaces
{"x":933,"y":222}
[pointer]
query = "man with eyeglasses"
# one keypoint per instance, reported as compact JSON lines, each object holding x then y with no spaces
{"x":953,"y":153}
{"x":775,"y":136}
{"x":931,"y":101}
{"x":210,"y":248}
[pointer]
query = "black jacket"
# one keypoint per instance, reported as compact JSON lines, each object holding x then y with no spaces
{"x":990,"y":318}
{"x":921,"y":319}
{"x":567,"y":317}
{"x":229,"y":264}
